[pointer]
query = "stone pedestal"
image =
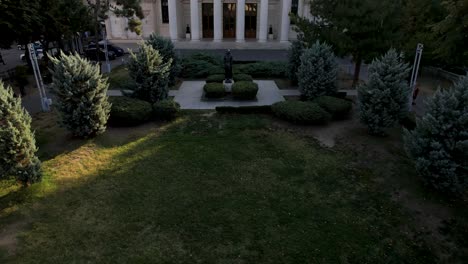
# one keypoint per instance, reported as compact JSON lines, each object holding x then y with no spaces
{"x":228,"y":86}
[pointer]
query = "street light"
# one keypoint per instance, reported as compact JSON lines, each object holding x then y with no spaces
{"x":414,"y":74}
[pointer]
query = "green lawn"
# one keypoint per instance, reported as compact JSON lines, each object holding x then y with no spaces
{"x":219,"y":189}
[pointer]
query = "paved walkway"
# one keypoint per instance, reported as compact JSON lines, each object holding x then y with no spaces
{"x":190,"y":93}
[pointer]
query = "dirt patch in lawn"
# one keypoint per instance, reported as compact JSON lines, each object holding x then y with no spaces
{"x":8,"y":236}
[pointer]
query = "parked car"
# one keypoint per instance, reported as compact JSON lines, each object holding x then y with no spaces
{"x":110,"y":47}
{"x":91,"y":54}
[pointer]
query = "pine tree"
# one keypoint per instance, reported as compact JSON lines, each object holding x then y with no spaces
{"x":150,"y":74}
{"x":81,"y":93}
{"x":318,"y":71}
{"x":383,"y":100}
{"x":17,"y":144}
{"x":439,"y":143}
{"x":294,"y":58}
{"x":166,"y":49}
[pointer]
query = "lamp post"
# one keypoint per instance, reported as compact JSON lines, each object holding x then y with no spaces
{"x":104,"y":37}
{"x":414,"y":74}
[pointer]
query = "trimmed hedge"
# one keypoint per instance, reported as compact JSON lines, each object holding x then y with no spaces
{"x":264,"y":69}
{"x":166,"y":109}
{"x":256,"y":109}
{"x":126,"y":111}
{"x":244,"y":90}
{"x":242,"y":77}
{"x":214,"y":90}
{"x":216,"y":78}
{"x":338,"y":108}
{"x":303,"y":113}
{"x":201,"y":65}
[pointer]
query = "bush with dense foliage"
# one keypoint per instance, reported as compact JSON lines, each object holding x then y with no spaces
{"x":303,"y":113}
{"x":264,"y":69}
{"x":241,"y":77}
{"x":255,"y":109}
{"x":17,"y":143}
{"x":214,"y":90}
{"x":244,"y":90}
{"x":338,"y":108}
{"x":150,"y":73}
{"x":166,"y":109}
{"x":318,"y":71}
{"x":81,"y":95}
{"x":439,"y":143}
{"x":216,"y":78}
{"x":383,"y":100}
{"x":166,"y":50}
{"x":294,"y":59}
{"x":201,"y":65}
{"x":126,"y":111}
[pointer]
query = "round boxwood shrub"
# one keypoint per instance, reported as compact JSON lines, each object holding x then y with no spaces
{"x":338,"y":108}
{"x":214,"y":90}
{"x":242,"y":78}
{"x":303,"y":113}
{"x":126,"y":111}
{"x":244,"y":90}
{"x":216,"y":78}
{"x":166,"y":109}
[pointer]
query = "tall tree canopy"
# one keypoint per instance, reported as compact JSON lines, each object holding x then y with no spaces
{"x":24,"y":21}
{"x":361,"y":28}
{"x":451,"y":34}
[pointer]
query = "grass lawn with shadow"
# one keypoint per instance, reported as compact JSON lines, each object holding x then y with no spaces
{"x":205,"y":189}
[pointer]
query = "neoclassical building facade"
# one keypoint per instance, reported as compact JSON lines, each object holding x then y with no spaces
{"x":214,"y":20}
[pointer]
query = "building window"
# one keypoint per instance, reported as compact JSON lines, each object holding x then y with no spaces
{"x":294,"y":8}
{"x":165,"y":11}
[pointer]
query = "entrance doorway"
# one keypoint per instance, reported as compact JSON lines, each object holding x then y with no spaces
{"x":229,"y":20}
{"x":207,"y":20}
{"x":250,"y":20}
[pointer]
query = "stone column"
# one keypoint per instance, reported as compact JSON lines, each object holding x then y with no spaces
{"x":240,"y":21}
{"x":194,"y":20}
{"x":172,"y":6}
{"x":262,"y":35}
{"x":300,"y":9}
{"x":285,"y":21}
{"x":218,"y":20}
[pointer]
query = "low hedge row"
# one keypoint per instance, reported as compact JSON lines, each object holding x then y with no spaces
{"x":166,"y":109}
{"x":338,"y":108}
{"x":214,"y":90}
{"x":126,"y":111}
{"x":303,"y":113}
{"x":244,"y":90}
{"x":241,"y":77}
{"x":216,"y":78}
{"x":256,"y":109}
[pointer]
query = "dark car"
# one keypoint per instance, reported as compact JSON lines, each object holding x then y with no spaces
{"x":91,"y":54}
{"x":110,"y":47}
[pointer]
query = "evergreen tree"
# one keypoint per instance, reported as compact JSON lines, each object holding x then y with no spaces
{"x":17,"y":144}
{"x":150,"y":74}
{"x":81,"y":93}
{"x":318,"y":71}
{"x":361,"y":28}
{"x":451,"y":33}
{"x":294,"y":57}
{"x":383,"y":100}
{"x":166,"y":49}
{"x":439,"y":143}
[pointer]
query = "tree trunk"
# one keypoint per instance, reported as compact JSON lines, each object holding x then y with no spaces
{"x":357,"y":70}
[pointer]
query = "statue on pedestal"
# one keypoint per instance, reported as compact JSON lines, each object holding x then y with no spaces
{"x":228,"y":67}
